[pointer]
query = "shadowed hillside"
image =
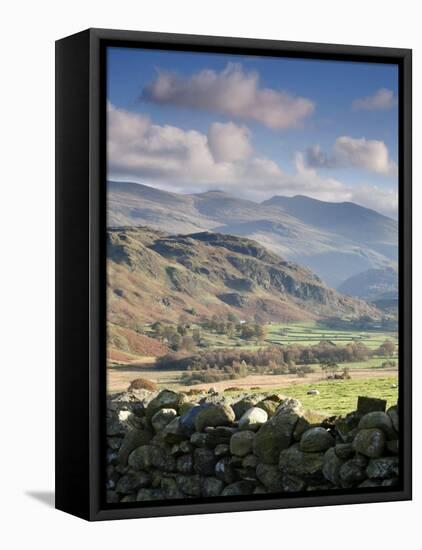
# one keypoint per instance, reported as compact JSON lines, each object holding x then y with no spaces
{"x":154,"y":276}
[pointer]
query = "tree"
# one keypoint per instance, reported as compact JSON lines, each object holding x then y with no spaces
{"x":387,"y":348}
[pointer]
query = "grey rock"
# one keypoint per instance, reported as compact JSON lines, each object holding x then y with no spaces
{"x":378,"y":419}
{"x":134,"y":438}
{"x":316,"y":439}
{"x":394,"y":416}
{"x":241,"y":443}
{"x":244,"y":404}
{"x":162,"y":417}
{"x":211,"y":487}
{"x":128,"y":483}
{"x":352,"y":472}
{"x":184,"y":464}
{"x":206,"y":440}
{"x":215,"y":415}
{"x":170,"y":488}
{"x":204,"y":461}
{"x":189,"y":484}
{"x":271,"y":477}
{"x":370,"y":442}
{"x":141,"y":458}
{"x":252,"y":419}
{"x":344,"y":450}
{"x":166,"y":399}
{"x":296,"y":462}
{"x":276,"y":435}
{"x":292,"y":484}
{"x":250,"y":461}
{"x":331,"y":467}
{"x":383,"y":468}
{"x":269,"y":406}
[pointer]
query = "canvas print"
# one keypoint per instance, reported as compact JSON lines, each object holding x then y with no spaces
{"x":252,"y":276}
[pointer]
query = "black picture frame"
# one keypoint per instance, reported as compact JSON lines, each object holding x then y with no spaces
{"x":80,"y":269}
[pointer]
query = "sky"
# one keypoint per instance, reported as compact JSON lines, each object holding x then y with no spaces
{"x":254,"y":127}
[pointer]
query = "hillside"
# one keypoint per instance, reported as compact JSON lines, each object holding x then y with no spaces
{"x":337,"y":241}
{"x":155,"y":276}
{"x":373,"y":284}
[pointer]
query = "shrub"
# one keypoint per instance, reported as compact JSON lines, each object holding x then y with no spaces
{"x":142,"y":384}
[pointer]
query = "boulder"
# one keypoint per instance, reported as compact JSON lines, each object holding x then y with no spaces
{"x":252,"y":419}
{"x":133,"y":439}
{"x":205,"y":440}
{"x":352,"y":472}
{"x":383,"y":468}
{"x":131,"y":481}
{"x":170,"y":488}
{"x":292,"y":484}
{"x":394,"y":416}
{"x":378,"y":419}
{"x":187,"y":420}
{"x":331,"y":467}
{"x":241,"y":443}
{"x":296,"y":462}
{"x":166,"y":399}
{"x":162,"y":459}
{"x":250,"y":461}
{"x":370,"y":442}
{"x":190,"y":485}
{"x":270,"y":477}
{"x":161,"y":418}
{"x":211,"y":487}
{"x":243,"y":405}
{"x":344,"y":450}
{"x":141,"y":458}
{"x":269,"y":406}
{"x":214,"y":415}
{"x":277,"y":434}
{"x":315,"y":440}
{"x":204,"y":461}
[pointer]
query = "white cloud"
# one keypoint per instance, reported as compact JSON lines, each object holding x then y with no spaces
{"x":228,"y":142}
{"x":190,"y":161}
{"x":349,"y":152}
{"x":382,"y":99}
{"x":232,"y":92}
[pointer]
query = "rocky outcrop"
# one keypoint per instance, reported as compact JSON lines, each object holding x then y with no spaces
{"x":168,"y":445}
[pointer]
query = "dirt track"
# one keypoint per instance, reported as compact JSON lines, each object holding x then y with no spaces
{"x":119,"y":378}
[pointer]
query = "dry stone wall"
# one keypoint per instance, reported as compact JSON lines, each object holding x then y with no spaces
{"x":170,"y":445}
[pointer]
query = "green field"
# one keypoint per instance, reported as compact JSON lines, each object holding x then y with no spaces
{"x":340,"y":397}
{"x":310,"y":333}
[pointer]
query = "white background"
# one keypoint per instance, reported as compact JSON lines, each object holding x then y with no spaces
{"x":27,"y":271}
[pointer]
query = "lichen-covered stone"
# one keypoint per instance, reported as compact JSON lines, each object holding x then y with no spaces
{"x":204,"y":461}
{"x":241,"y":443}
{"x":271,"y":477}
{"x":383,"y":468}
{"x":184,"y":464}
{"x":161,"y":418}
{"x":211,"y":487}
{"x":352,"y":472}
{"x":253,"y":419}
{"x":224,"y":470}
{"x":378,"y":419}
{"x":166,"y":399}
{"x":315,"y":440}
{"x":214,"y":415}
{"x":370,"y":442}
{"x":296,"y":462}
{"x":332,"y":465}
{"x":134,"y":438}
{"x":394,"y":416}
{"x":131,"y":481}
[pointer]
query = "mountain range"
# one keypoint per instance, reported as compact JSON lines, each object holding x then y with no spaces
{"x":154,"y":275}
{"x":337,"y":241}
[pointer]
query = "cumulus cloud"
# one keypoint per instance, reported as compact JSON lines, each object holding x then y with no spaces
{"x":190,"y":161}
{"x":349,"y":152}
{"x":382,"y":99}
{"x":232,"y":92}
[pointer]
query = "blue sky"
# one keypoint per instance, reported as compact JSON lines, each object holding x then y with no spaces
{"x":256,"y":126}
